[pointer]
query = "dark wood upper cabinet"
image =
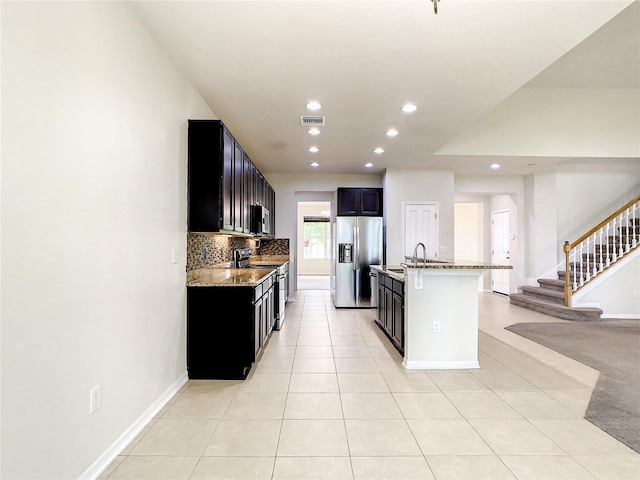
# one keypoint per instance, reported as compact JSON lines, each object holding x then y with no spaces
{"x":359,"y":202}
{"x":223,"y":181}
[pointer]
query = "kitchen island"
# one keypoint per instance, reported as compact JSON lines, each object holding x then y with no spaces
{"x":440,"y":312}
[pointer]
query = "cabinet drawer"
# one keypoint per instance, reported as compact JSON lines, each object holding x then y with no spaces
{"x":398,"y":287}
{"x":384,"y":280}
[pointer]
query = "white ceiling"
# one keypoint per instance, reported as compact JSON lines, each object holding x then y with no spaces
{"x":257,"y":63}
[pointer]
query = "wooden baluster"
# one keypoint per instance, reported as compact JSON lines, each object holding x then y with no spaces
{"x":630,"y":231}
{"x":577,"y":264}
{"x":600,"y":252}
{"x":567,"y":274}
{"x":634,"y":242}
{"x":621,"y":251}
{"x":607,"y":246}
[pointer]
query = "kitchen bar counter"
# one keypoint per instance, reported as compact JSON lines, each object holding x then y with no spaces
{"x":440,"y":312}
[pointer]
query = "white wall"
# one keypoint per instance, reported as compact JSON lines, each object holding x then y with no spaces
{"x":559,"y":122}
{"x":94,"y":121}
{"x":617,"y":292}
{"x":541,"y":228}
{"x":405,"y":185}
{"x":589,"y":192}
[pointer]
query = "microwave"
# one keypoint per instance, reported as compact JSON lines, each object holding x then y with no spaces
{"x":260,"y":220}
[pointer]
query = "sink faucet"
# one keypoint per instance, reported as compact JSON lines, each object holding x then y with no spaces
{"x":424,"y":252}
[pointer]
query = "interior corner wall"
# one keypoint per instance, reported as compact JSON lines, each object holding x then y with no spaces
{"x":410,"y":185}
{"x":94,"y":130}
{"x":514,"y":188}
{"x":541,"y":227}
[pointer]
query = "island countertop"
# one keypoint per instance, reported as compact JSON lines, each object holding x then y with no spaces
{"x":456,"y":264}
{"x":398,"y":271}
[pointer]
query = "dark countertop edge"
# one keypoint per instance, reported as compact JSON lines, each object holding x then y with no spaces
{"x":387,"y":270}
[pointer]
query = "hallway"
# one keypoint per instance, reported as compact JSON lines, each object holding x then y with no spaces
{"x":329,"y":399}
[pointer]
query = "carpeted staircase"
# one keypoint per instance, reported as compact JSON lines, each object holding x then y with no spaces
{"x":548,"y":296}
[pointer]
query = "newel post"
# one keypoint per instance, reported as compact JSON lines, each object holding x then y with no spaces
{"x":567,"y":274}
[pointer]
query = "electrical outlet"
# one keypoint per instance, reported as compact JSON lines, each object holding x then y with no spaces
{"x":436,"y":327}
{"x":95,"y":399}
{"x":635,"y":294}
{"x":174,"y":255}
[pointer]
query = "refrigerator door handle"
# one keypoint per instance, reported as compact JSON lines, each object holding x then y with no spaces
{"x":355,"y":248}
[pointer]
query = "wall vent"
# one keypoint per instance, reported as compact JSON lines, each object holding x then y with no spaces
{"x":308,"y":121}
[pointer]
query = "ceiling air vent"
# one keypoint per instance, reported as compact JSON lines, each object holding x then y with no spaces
{"x":308,"y":121}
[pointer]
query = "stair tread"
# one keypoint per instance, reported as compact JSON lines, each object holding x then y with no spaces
{"x":555,"y":309}
{"x":551,"y":281}
{"x":543,"y":291}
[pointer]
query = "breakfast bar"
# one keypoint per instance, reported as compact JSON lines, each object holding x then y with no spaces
{"x":440,"y":306}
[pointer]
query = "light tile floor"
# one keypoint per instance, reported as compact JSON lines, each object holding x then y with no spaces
{"x":329,"y":399}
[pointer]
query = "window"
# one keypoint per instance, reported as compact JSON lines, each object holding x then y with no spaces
{"x":317,"y":238}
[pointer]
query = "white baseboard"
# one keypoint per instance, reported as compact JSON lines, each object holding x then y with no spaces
{"x":104,"y":460}
{"x":622,"y":316}
{"x":425,"y":365}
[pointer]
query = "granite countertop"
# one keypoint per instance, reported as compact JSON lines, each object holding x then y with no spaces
{"x":398,"y":271}
{"x":440,"y":263}
{"x":224,"y":275}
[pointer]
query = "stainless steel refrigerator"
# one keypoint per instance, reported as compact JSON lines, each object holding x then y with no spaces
{"x":357,"y":245}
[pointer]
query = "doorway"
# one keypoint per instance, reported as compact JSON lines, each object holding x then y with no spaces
{"x":314,"y":246}
{"x":500,"y":251}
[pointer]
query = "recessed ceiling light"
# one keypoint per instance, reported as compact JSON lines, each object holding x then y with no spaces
{"x":314,"y":106}
{"x":392,"y":132}
{"x":531,"y":165}
{"x":314,"y":149}
{"x":409,"y":108}
{"x":379,"y":150}
{"x":495,"y":166}
{"x":368,"y":165}
{"x":314,"y":131}
{"x":315,"y":164}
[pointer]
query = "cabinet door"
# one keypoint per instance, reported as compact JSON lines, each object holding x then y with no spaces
{"x":257,"y":325}
{"x":246,"y":192}
{"x":238,"y":193}
{"x":371,"y":202}
{"x":388,"y":311}
{"x":347,"y":202}
{"x":398,"y":320}
{"x":227,"y":180}
{"x":381,"y":303}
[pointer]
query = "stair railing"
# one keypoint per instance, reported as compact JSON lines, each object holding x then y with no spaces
{"x":601,"y":247}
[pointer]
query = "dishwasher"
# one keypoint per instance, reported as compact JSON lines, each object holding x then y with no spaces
{"x":373,"y":274}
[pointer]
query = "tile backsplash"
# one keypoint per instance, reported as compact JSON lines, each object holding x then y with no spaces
{"x":209,"y":250}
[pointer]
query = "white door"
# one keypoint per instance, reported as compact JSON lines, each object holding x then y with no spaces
{"x":500,"y":251}
{"x":421,"y":226}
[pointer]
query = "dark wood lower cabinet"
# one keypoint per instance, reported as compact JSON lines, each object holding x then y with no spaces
{"x":390,"y":316}
{"x":227,"y":328}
